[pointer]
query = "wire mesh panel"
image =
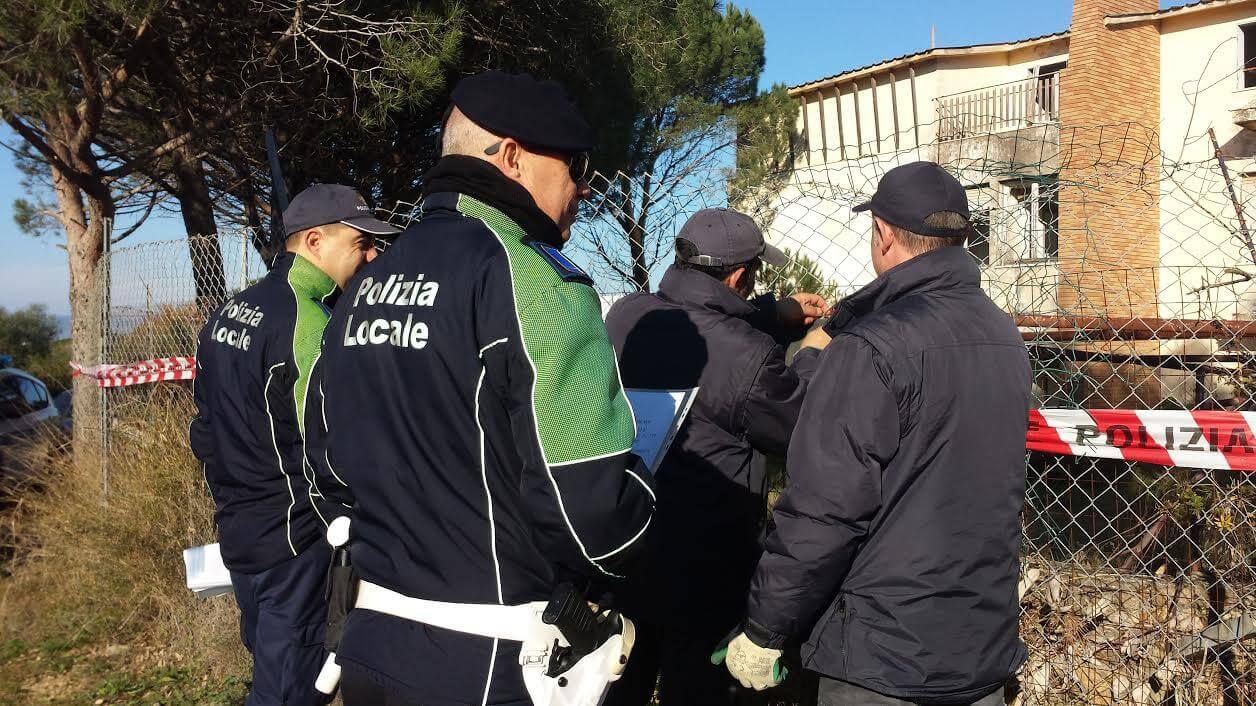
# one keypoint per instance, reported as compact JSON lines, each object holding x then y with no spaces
{"x":158,"y":295}
{"x":160,"y":292}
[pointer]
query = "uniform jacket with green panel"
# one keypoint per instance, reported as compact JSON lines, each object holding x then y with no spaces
{"x":469,"y":399}
{"x":253,"y":362}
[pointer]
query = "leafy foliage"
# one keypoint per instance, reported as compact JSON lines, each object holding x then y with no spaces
{"x":27,"y":334}
{"x":801,"y":274}
{"x":764,"y":128}
{"x":692,"y":101}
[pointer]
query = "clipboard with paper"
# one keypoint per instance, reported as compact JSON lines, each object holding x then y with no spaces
{"x":659,"y":415}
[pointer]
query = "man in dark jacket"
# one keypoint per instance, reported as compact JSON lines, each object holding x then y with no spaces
{"x":253,"y":364}
{"x":700,"y":331}
{"x":472,"y":414}
{"x":895,"y":548}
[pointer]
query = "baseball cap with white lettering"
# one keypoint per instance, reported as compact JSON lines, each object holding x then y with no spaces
{"x":321,"y":204}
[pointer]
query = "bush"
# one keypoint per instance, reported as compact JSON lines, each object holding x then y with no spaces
{"x":27,"y":334}
{"x":52,"y":367}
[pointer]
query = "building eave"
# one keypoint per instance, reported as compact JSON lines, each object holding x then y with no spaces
{"x":1141,"y":18}
{"x":928,"y":55}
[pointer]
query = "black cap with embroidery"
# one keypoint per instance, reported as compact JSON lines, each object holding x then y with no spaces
{"x":536,"y":113}
{"x":321,"y":204}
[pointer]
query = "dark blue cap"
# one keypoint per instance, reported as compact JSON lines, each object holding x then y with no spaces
{"x":321,"y":204}
{"x":722,"y":237}
{"x":910,"y":193}
{"x":536,"y":113}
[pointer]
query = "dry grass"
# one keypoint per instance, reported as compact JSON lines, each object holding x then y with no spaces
{"x":93,"y":605}
{"x":84,"y":571}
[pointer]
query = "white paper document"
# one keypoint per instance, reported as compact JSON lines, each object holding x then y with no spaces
{"x":659,"y":415}
{"x":207,"y":575}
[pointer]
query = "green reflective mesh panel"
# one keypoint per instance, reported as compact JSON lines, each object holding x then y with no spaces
{"x":581,"y":411}
{"x":309,"y":286}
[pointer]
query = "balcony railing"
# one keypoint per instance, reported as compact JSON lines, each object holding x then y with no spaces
{"x":1007,"y":106}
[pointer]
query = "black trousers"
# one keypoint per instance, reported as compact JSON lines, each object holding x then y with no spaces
{"x":359,"y":689}
{"x":678,"y":661}
{"x":839,"y":693}
{"x":283,"y":615}
{"x":693,"y":610}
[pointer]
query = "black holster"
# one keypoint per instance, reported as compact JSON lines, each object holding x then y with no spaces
{"x":342,"y":592}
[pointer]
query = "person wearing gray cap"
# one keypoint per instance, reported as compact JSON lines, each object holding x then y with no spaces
{"x":701,"y":331}
{"x":895,"y":551}
{"x":253,"y":363}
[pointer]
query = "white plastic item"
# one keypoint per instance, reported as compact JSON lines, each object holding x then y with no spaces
{"x":206,"y":574}
{"x":328,"y":676}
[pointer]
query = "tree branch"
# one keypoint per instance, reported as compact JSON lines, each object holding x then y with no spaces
{"x":90,"y":108}
{"x":56,"y":215}
{"x":122,"y":75}
{"x":148,"y":211}
{"x":131,"y":166}
{"x":33,"y":138}
{"x":175,"y":143}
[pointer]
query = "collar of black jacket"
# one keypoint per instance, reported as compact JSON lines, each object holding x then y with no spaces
{"x":943,"y":268}
{"x":693,"y":288}
{"x":480,"y":180}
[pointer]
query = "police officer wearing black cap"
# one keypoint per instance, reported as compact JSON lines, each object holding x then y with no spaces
{"x":701,"y":330}
{"x":474,"y":413}
{"x":895,"y":549}
{"x":252,"y":373}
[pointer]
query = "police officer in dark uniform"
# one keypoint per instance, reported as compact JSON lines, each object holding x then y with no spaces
{"x":472,"y":411}
{"x":252,"y":372}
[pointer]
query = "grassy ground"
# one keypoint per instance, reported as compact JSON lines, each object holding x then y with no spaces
{"x":93,"y":607}
{"x":63,"y":672}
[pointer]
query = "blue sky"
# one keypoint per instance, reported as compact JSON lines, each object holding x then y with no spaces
{"x":806,"y":39}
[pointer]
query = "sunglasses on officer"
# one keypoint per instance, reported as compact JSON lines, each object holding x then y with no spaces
{"x":577,"y":164}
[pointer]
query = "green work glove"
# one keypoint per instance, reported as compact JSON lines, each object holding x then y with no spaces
{"x":752,"y":666}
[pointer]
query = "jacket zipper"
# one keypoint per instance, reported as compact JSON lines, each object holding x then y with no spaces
{"x":841,"y":605}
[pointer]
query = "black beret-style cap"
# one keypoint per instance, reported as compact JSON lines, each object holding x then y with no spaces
{"x":537,"y":113}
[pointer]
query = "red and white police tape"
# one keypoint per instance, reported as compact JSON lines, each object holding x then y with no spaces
{"x":1200,"y":439}
{"x":152,"y":370}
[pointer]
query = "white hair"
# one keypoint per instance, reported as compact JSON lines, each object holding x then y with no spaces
{"x":462,"y":136}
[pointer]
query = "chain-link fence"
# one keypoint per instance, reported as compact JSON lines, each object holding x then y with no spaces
{"x":1130,"y":273}
{"x":155,"y":297}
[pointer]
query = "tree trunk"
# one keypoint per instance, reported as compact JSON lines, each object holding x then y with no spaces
{"x":637,"y":238}
{"x":636,"y":248}
{"x":192,"y":190}
{"x":86,"y":227}
{"x":197,"y":210}
{"x":635,"y":234}
{"x":258,"y":232}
